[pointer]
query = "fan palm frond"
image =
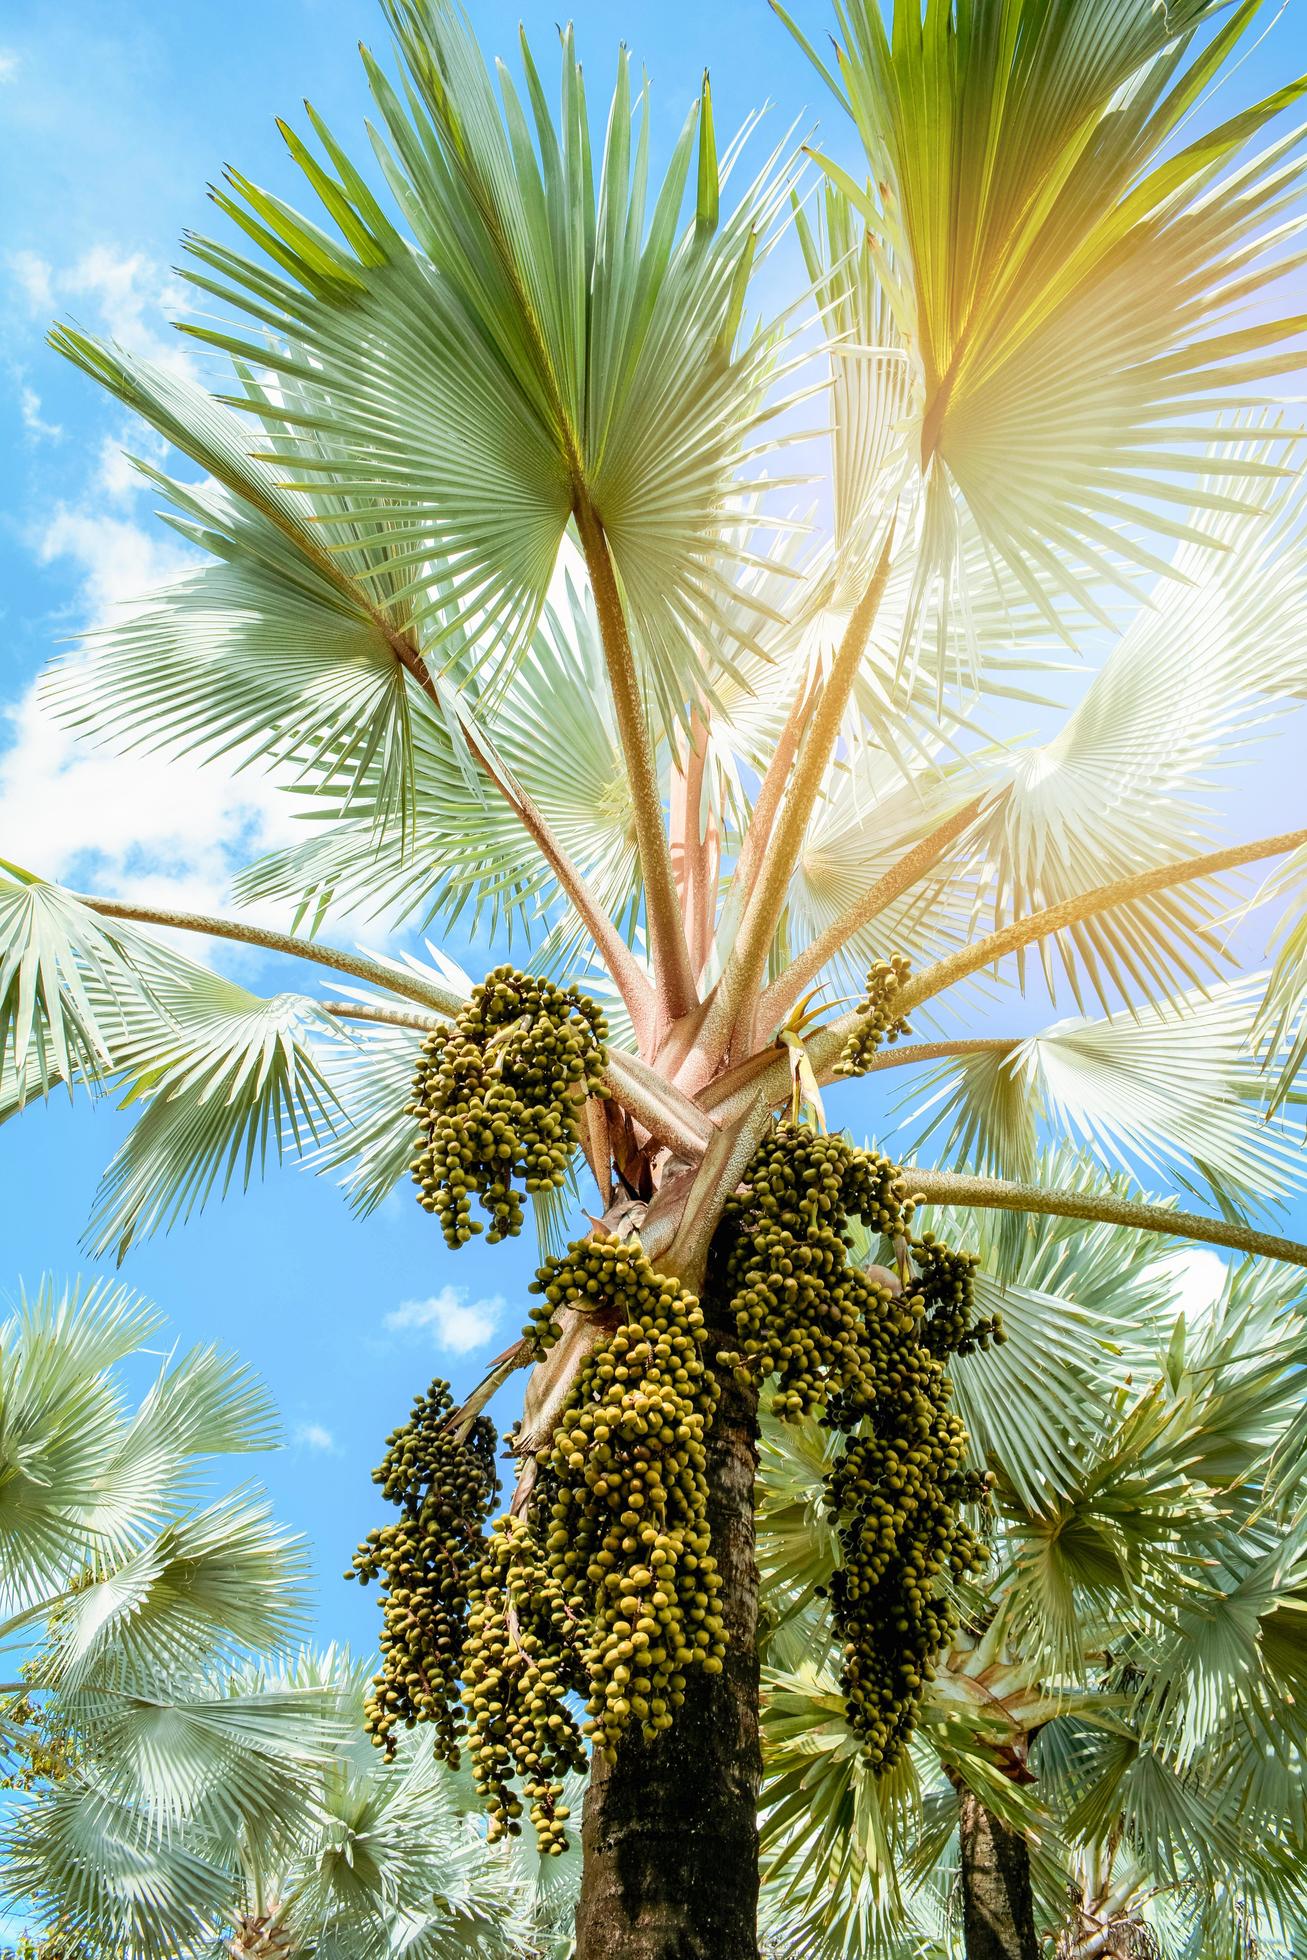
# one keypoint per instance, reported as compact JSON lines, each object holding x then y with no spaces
{"x":1070,"y":283}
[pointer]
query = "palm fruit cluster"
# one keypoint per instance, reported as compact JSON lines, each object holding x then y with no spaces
{"x":878,"y":1016}
{"x":498,"y":1097}
{"x":872,"y":1361}
{"x":623,"y":1505}
{"x":803,"y":1313}
{"x":894,"y":1495}
{"x":425,"y":1562}
{"x":519,"y":1666}
{"x":944,"y":1284}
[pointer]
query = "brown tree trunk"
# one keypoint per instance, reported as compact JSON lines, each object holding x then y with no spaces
{"x":998,"y":1908}
{"x":670,"y":1837}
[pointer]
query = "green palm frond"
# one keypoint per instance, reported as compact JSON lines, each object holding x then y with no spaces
{"x":66,"y":979}
{"x":557,"y":333}
{"x":95,"y":1865}
{"x":285,"y":649}
{"x":200,"y":1753}
{"x":63,"y":1424}
{"x":1070,"y":283}
{"x":876,"y":811}
{"x":1184,"y":693}
{"x":464,"y":854}
{"x":228,"y":1083}
{"x":209,"y":1583}
{"x":371,"y":1080}
{"x":1126,"y":1544}
{"x":1281,"y":1027}
{"x":1056,"y":1366}
{"x":1169,"y":1091}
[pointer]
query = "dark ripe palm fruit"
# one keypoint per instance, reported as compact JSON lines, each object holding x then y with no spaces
{"x":803,"y":1313}
{"x":622,"y":1505}
{"x":872,"y":1362}
{"x":425,"y":1562}
{"x":894,"y":1495}
{"x":878,"y":1016}
{"x":945,"y":1285}
{"x":498,"y":1096}
{"x":519,"y":1665}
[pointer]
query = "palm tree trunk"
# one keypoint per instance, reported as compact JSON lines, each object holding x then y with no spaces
{"x":998,"y":1909}
{"x":670,"y":1837}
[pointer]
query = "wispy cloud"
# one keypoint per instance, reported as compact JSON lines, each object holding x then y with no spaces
{"x":8,"y":64}
{"x":312,"y":1436}
{"x":29,"y":408}
{"x":132,"y":296}
{"x":455,"y":1322}
{"x":34,"y":280}
{"x":171,"y":830}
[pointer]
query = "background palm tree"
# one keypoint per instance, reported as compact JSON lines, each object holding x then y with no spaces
{"x":129,"y":1589}
{"x":182,"y":1795}
{"x":502,"y":584}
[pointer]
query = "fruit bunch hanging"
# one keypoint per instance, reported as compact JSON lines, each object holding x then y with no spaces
{"x":498,"y":1097}
{"x":426,"y":1561}
{"x":879,"y":1016}
{"x":520,"y":1664}
{"x":623,"y":1505}
{"x":872,"y":1360}
{"x":602,"y":1584}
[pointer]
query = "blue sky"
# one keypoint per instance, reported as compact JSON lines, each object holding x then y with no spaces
{"x":113,"y":117}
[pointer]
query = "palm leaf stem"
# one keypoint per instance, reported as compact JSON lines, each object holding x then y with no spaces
{"x":623,"y":967}
{"x":696,"y":845}
{"x":825,"y":1046}
{"x":391,"y":1017}
{"x":716,"y":1176}
{"x":665,"y":1112}
{"x":762,"y":817}
{"x":733,"y":998}
{"x":674,"y":983}
{"x":1001,"y":1194}
{"x":782,"y":994}
{"x":411,"y":986}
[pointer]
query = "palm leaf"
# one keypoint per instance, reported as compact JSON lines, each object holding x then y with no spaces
{"x":284,"y":649}
{"x":1167,"y":1091}
{"x":230,"y":1081}
{"x":1187,"y":689}
{"x":551,"y":336}
{"x":62,"y":972}
{"x":1067,"y":279}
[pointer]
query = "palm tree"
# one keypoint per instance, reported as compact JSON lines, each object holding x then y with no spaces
{"x":1109,"y":1756}
{"x":501,"y":583}
{"x":126,"y":1590}
{"x":370,"y":1860}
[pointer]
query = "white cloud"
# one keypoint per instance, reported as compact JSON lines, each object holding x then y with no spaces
{"x":171,"y":831}
{"x":35,"y":277}
{"x":8,"y":64}
{"x":456,"y":1324}
{"x":312,"y":1436}
{"x":1199,"y":1277}
{"x":133,"y":296}
{"x":29,"y":407}
{"x":130,"y":296}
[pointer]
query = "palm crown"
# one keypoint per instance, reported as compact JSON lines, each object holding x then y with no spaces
{"x":502,"y":581}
